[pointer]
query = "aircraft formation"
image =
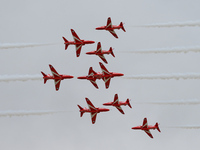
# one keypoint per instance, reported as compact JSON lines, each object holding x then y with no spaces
{"x":92,"y":76}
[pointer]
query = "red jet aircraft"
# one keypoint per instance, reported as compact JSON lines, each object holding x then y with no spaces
{"x":109,"y":27}
{"x":116,"y":103}
{"x":56,"y":77}
{"x":77,"y":42}
{"x":105,"y":76}
{"x":146,"y":128}
{"x":92,"y":110}
{"x":99,"y":52}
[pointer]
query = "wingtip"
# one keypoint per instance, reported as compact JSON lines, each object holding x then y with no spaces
{"x":50,"y":66}
{"x":100,"y":64}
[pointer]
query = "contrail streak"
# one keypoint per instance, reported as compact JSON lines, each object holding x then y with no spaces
{"x":176,"y":76}
{"x":173,"y":24}
{"x":27,"y":113}
{"x":7,"y":78}
{"x":173,"y":102}
{"x":20,"y":45}
{"x":167,"y":50}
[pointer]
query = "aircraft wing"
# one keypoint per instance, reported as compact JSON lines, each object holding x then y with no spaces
{"x":91,"y":72}
{"x":53,"y":71}
{"x":75,"y":36}
{"x":107,"y":81}
{"x":116,"y":99}
{"x":145,"y":124}
{"x":109,"y":23}
{"x":57,"y":84}
{"x":78,"y":49}
{"x":120,"y":109}
{"x":103,"y":69}
{"x":103,"y":58}
{"x":113,"y":33}
{"x":93,"y":117}
{"x":149,"y":133}
{"x":90,"y":105}
{"x":99,"y":49}
{"x":94,"y":83}
{"x":105,"y":72}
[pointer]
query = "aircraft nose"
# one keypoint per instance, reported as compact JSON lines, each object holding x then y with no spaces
{"x":106,"y":104}
{"x":119,"y":74}
{"x":105,"y":109}
{"x":71,"y":77}
{"x":83,"y":77}
{"x":89,"y":53}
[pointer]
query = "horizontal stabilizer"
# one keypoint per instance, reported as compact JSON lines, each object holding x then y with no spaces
{"x":66,"y":41}
{"x":44,"y":75}
{"x":128,"y":103}
{"x":111,"y":51}
{"x":157,"y":127}
{"x":81,"y":110}
{"x":122,"y":26}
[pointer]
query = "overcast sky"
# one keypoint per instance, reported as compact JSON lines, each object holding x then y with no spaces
{"x":46,"y":21}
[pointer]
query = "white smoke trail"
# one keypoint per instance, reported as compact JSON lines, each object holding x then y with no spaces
{"x":174,"y":24}
{"x":20,"y":45}
{"x":168,"y":50}
{"x":27,"y":113}
{"x":173,"y":102}
{"x":7,"y":78}
{"x":184,"y":127}
{"x":176,"y":76}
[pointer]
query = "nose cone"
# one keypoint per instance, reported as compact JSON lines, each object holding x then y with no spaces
{"x":70,"y":77}
{"x":118,"y":74}
{"x":107,"y":104}
{"x":136,"y":128}
{"x":105,"y":109}
{"x":90,"y":53}
{"x":98,"y":28}
{"x":91,"y":42}
{"x":82,"y":77}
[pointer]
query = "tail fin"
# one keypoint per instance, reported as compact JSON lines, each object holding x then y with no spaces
{"x":80,"y":110}
{"x":122,"y":26}
{"x":157,"y":127}
{"x":66,"y":45}
{"x":44,"y":75}
{"x":111,"y":51}
{"x":128,"y":103}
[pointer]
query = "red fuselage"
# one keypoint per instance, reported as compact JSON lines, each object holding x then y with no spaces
{"x":83,"y":42}
{"x":105,"y":27}
{"x":98,"y":53}
{"x":146,"y":128}
{"x":98,"y":110}
{"x":115,"y":104}
{"x":100,"y":76}
{"x":62,"y":77}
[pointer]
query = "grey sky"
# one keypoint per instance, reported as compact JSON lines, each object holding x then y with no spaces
{"x":43,"y":21}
